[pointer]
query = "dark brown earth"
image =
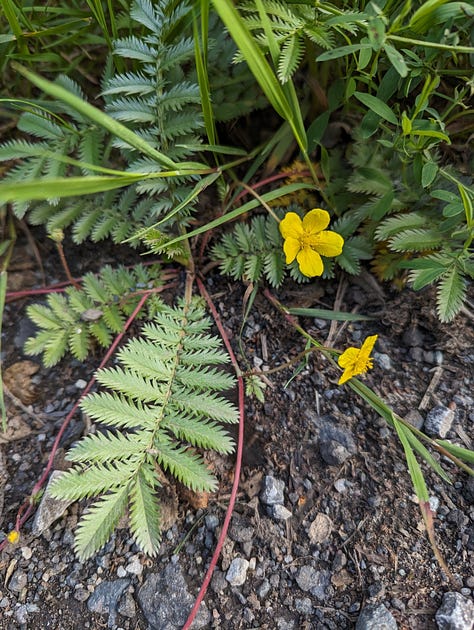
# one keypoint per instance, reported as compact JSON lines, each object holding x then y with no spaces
{"x":356,"y":523}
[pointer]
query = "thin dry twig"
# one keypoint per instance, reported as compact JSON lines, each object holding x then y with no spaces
{"x":17,"y":402}
{"x":435,"y":379}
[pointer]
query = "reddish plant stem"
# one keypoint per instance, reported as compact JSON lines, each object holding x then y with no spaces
{"x":27,"y":507}
{"x":62,"y":286}
{"x":238,"y":459}
{"x":65,"y":265}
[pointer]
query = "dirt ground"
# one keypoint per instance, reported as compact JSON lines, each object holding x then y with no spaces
{"x":354,"y":535}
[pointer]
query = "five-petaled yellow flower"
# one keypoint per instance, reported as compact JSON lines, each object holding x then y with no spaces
{"x":356,"y":361}
{"x":307,"y":240}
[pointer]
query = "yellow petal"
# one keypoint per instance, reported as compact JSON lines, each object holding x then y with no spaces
{"x":291,"y":226}
{"x":316,"y":220}
{"x":310,"y":262}
{"x":368,"y":345}
{"x":348,"y":357}
{"x":291,"y":247}
{"x":347,"y":375}
{"x":327,"y":243}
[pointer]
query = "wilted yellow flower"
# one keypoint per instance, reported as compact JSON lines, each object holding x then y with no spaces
{"x":13,"y":536}
{"x":356,"y":361}
{"x":307,"y":240}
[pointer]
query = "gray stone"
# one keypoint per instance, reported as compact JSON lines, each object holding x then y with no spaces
{"x":263,"y":589}
{"x":376,"y":617}
{"x":18,"y":581}
{"x":241,"y":531}
{"x":383,"y":360}
{"x":439,"y":421}
{"x":321,"y":584}
{"x":49,"y":509}
{"x":415,"y":418}
{"x":21,"y":615}
{"x":212,"y":521}
{"x":166,"y":601}
{"x":281,"y":513}
{"x":126,"y":606}
{"x":272,"y":491}
{"x":317,"y":582}
{"x":306,"y":577}
{"x":237,"y":572}
{"x":334,"y":453}
{"x":335,"y":444}
{"x":455,"y":613}
{"x":105,"y":598}
{"x":134,"y":566}
{"x":304,"y":606}
{"x":81,"y":594}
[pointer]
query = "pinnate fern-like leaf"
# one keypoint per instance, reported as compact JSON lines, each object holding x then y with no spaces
{"x":80,"y":317}
{"x":451,"y":294}
{"x":145,"y":515}
{"x":99,"y":522}
{"x":162,"y":408}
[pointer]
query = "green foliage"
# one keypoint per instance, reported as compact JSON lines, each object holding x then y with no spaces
{"x":62,"y":132}
{"x":296,"y":27}
{"x":165,"y":401}
{"x":252,"y":252}
{"x":78,"y":319}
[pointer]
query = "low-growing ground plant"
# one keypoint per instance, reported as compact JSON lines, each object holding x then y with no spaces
{"x":129,"y":161}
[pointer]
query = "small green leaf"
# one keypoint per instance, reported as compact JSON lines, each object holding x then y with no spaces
{"x":376,"y":105}
{"x":428,"y":174}
{"x":397,"y":60}
{"x":406,"y":124}
{"x":342,"y":51}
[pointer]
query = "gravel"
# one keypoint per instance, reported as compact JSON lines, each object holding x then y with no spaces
{"x":350,"y":551}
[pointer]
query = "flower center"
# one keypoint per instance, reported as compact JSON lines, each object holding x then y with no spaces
{"x":306,"y":240}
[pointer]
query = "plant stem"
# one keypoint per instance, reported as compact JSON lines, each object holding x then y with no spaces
{"x":426,"y":44}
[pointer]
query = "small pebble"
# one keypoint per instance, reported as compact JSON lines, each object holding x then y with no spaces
{"x":383,"y":360}
{"x":281,"y":513}
{"x":26,"y":552}
{"x":439,"y":420}
{"x":237,"y":572}
{"x":272,"y":491}
{"x":376,"y":617}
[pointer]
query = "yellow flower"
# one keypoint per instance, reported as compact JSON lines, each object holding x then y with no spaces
{"x":356,"y":361}
{"x":307,"y":240}
{"x":13,"y":536}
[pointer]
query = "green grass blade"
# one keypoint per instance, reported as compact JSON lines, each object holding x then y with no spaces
{"x":421,"y":449}
{"x":414,"y":469}
{"x":203,"y":81}
{"x":324,"y":313}
{"x":458,"y":451}
{"x":41,"y":189}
